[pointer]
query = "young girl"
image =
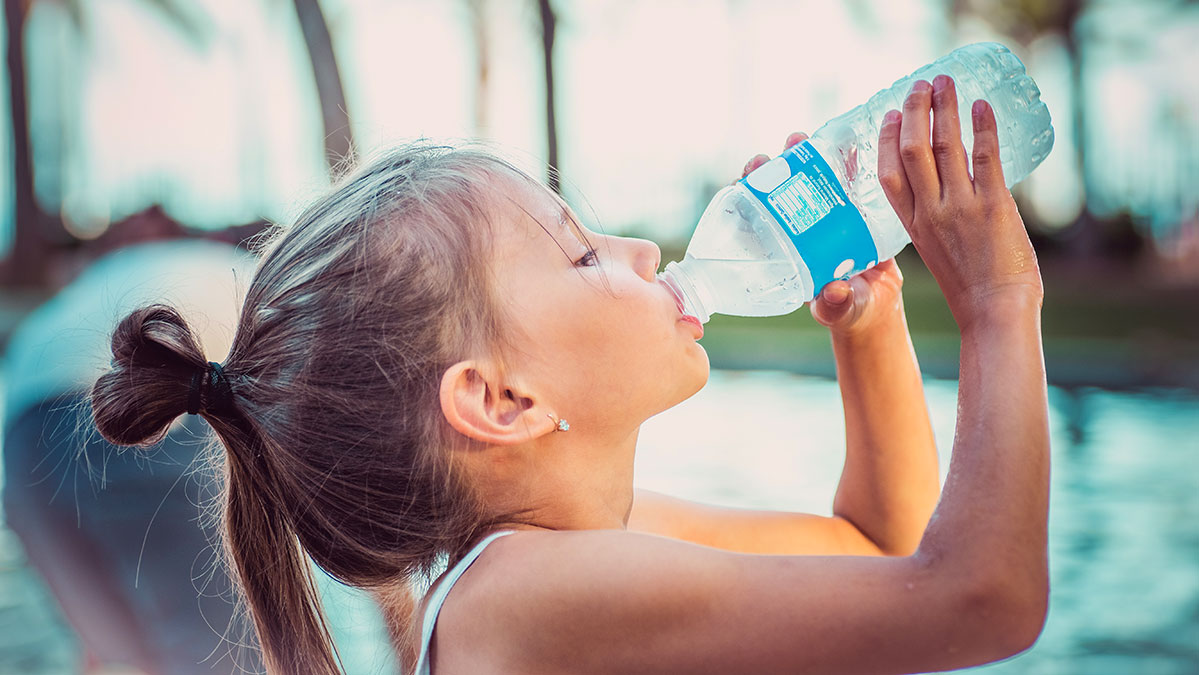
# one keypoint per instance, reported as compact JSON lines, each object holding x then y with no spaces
{"x":438,"y":363}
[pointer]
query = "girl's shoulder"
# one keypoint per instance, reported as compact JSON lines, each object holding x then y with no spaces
{"x":537,"y":597}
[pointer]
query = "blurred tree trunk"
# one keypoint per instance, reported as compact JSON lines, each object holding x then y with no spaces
{"x":30,"y":252}
{"x":1027,"y":20}
{"x":38,"y":234}
{"x":478,"y":20}
{"x":548,"y":24}
{"x":339,"y":139}
{"x":1071,"y":10}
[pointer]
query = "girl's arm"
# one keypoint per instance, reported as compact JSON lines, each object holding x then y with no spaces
{"x":746,"y":530}
{"x":974,"y":591}
{"x":889,"y":485}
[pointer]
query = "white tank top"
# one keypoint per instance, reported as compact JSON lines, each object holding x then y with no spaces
{"x":437,"y":598}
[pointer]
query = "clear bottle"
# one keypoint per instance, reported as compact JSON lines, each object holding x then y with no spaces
{"x":768,"y":243}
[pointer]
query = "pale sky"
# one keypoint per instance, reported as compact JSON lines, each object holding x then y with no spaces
{"x":659,"y":102}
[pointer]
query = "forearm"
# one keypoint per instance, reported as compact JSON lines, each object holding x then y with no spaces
{"x":889,"y":485}
{"x":993,"y":514}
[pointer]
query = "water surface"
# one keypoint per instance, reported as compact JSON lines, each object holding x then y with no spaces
{"x":1124,"y":514}
{"x":1124,"y":536}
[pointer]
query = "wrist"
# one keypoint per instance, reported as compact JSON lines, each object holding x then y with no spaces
{"x":1003,"y":309}
{"x":880,"y":327}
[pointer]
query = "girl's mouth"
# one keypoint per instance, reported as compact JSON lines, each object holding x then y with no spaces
{"x":678,"y":303}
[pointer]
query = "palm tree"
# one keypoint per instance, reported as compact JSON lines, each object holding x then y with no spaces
{"x":477,"y":10}
{"x":339,"y":140}
{"x":37,"y":232}
{"x":548,"y":24}
{"x":1027,"y":20}
{"x":30,"y":247}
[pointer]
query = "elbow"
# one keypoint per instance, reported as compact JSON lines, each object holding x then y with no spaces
{"x":1028,"y":618}
{"x":1006,"y":611}
{"x":995,"y":610}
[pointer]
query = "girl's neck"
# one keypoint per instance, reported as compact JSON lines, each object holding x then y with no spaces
{"x":569,"y":482}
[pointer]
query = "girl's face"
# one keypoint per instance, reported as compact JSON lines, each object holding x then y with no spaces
{"x":595,"y":332}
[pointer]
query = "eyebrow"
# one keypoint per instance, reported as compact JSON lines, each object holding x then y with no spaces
{"x":563,"y":216}
{"x":572,"y":227}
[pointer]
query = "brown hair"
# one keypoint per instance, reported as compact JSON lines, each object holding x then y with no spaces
{"x":335,"y":441}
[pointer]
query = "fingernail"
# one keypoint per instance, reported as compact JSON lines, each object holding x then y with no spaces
{"x":977,"y":111}
{"x":892,"y":117}
{"x":835,"y":295}
{"x":919,"y":86}
{"x":940,"y":82}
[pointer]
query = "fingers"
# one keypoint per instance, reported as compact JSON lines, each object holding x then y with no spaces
{"x":948,"y":152}
{"x":988,"y":172}
{"x":795,"y":138}
{"x":914,"y":148}
{"x":753,"y":163}
{"x":890,"y":168}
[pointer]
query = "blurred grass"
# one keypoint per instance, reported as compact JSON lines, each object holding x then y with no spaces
{"x":1108,"y":326}
{"x":1114,"y":330}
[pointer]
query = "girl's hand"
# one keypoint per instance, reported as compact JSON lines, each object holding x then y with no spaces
{"x":967,"y":230}
{"x":853,"y":306}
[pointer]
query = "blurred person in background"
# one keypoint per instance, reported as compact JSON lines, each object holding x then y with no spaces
{"x":121,"y":538}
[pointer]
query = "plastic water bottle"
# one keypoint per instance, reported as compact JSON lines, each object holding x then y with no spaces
{"x":768,"y":243}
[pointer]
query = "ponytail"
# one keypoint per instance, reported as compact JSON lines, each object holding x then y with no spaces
{"x":157,"y":366}
{"x":399,"y":607}
{"x":276,"y":579}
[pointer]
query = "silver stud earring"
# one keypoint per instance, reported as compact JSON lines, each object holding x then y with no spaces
{"x":562,"y":424}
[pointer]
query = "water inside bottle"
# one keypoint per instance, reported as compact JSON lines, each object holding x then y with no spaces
{"x":750,"y":287}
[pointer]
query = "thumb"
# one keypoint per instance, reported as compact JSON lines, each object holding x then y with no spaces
{"x":835,"y":303}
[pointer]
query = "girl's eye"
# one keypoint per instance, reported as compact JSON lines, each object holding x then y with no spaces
{"x":589,"y":259}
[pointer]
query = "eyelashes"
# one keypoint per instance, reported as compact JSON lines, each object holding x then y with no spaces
{"x":589,"y":259}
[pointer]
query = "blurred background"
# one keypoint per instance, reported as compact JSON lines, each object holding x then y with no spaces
{"x":215,"y":117}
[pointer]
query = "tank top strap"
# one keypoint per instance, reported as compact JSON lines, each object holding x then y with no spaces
{"x":438,"y":596}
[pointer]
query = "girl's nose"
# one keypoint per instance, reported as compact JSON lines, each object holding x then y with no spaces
{"x":646,"y":257}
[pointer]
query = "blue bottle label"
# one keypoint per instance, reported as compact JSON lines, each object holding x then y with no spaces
{"x":801,"y":191}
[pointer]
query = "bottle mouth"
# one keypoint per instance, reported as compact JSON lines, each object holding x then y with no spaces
{"x":684,"y":292}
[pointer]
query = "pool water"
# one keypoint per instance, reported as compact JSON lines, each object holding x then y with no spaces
{"x":1124,"y":521}
{"x":1124,"y":514}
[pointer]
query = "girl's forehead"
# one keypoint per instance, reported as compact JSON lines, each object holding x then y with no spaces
{"x":530,"y":210}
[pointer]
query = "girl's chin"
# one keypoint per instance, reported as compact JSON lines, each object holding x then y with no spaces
{"x":705,"y":368}
{"x":694,"y":381}
{"x":687,"y":383}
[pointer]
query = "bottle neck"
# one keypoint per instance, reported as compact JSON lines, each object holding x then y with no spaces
{"x":688,"y":289}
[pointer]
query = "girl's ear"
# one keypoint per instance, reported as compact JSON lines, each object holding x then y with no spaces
{"x":479,"y":405}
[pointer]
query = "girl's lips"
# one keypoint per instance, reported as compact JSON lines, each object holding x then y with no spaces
{"x":678,"y":299}
{"x":684,"y":316}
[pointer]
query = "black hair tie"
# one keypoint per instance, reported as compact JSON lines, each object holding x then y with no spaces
{"x":220,"y":392}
